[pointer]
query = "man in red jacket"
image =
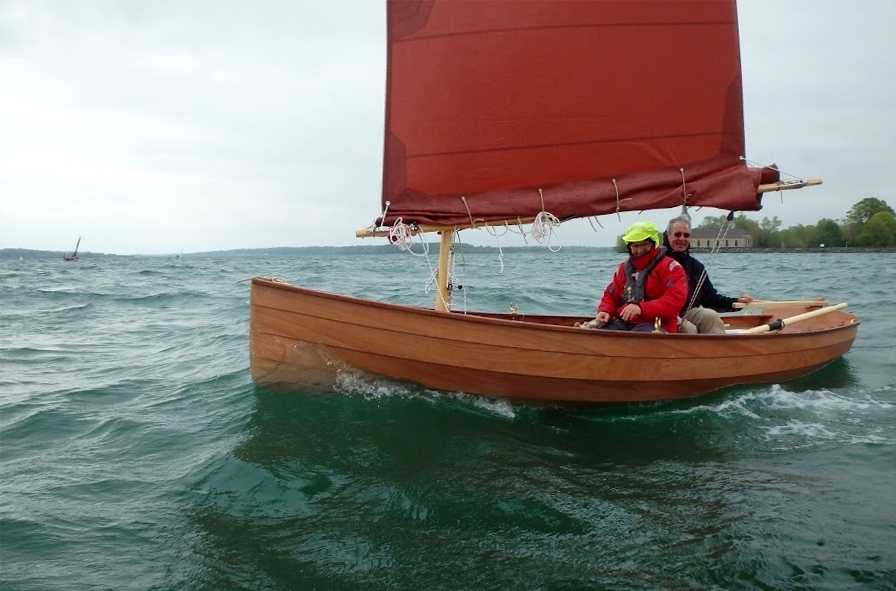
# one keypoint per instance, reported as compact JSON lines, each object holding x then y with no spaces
{"x":648,"y":290}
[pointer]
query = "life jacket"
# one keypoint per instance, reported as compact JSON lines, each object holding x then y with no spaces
{"x":633,"y":293}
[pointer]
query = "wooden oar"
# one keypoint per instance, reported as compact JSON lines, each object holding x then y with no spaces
{"x":779,"y":324}
{"x":773,"y":303}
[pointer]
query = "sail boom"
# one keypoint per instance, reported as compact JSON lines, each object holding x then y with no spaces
{"x":429,"y":228}
{"x":787,"y":185}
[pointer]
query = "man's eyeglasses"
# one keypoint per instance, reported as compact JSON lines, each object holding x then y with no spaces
{"x":680,"y":234}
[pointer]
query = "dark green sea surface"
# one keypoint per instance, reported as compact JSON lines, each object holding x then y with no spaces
{"x":136,"y":453}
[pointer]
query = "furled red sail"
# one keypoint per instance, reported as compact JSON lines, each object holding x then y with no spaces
{"x":492,"y":100}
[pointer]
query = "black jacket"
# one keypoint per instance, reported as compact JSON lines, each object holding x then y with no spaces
{"x":709,"y":297}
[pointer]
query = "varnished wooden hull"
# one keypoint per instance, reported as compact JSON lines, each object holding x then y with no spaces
{"x":301,"y":338}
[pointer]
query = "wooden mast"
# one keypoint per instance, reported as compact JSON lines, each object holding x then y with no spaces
{"x":443,"y":296}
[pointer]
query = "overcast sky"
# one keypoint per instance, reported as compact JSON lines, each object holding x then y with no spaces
{"x":160,"y":126}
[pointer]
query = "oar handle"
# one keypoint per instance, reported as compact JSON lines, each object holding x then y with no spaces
{"x":779,"y":324}
{"x":773,"y":303}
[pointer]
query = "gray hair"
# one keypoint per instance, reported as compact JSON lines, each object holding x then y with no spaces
{"x":684,"y":220}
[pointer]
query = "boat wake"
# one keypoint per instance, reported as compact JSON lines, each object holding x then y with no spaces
{"x":779,"y":398}
{"x":786,"y":420}
{"x":351,"y":381}
{"x":359,"y":383}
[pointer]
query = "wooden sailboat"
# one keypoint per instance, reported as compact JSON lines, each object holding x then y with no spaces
{"x":74,"y":255}
{"x":506,"y":112}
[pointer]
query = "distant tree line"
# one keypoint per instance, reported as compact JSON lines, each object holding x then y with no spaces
{"x":869,"y":223}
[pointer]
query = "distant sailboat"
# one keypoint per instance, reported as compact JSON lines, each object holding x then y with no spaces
{"x":73,"y":256}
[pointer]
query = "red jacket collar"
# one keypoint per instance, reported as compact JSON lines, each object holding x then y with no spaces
{"x":643,"y":260}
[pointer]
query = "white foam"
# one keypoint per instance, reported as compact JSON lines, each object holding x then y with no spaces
{"x":496,"y":406}
{"x":791,"y":420}
{"x":354,"y":381}
{"x":822,"y":400}
{"x":357,"y":382}
{"x":813,"y":431}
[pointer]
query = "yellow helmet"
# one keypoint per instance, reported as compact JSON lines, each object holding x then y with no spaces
{"x":642,"y":231}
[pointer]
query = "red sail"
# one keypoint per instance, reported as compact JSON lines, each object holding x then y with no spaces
{"x":492,"y":100}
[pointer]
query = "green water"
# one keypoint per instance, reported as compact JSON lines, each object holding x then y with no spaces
{"x":136,"y":453}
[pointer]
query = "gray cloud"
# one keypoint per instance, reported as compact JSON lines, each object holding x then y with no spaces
{"x":163,"y":126}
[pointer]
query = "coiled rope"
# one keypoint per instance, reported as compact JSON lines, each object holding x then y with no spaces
{"x":400,"y":234}
{"x":543,"y":226}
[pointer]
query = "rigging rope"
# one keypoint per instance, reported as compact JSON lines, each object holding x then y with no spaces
{"x":684,"y":191}
{"x":543,"y":226}
{"x":400,"y":235}
{"x":594,"y":218}
{"x":453,"y":283}
{"x":618,"y":200}
{"x":382,"y":218}
{"x":723,"y":231}
{"x":793,"y":177}
{"x":432,"y":283}
{"x":469,"y":213}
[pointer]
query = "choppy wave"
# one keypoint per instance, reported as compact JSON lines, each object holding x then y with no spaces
{"x":138,"y":454}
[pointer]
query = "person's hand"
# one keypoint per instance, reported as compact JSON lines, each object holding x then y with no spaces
{"x":630,"y":311}
{"x":745,"y":298}
{"x":603,"y":317}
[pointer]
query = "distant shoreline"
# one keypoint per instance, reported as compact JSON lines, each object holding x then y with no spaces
{"x":834,"y":249}
{"x":386,"y":249}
